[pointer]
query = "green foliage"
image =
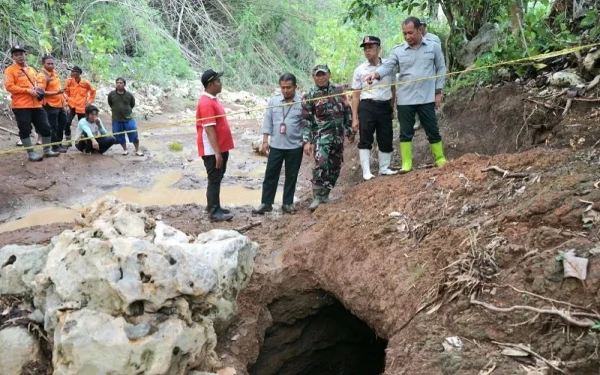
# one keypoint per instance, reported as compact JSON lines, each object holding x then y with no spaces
{"x":590,"y":21}
{"x":107,"y":39}
{"x":272,"y":38}
{"x":337,"y":43}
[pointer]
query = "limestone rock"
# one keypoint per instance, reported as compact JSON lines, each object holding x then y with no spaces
{"x":95,"y":343}
{"x":18,"y":266}
{"x":124,"y":293}
{"x":565,"y":79}
{"x":165,"y":235}
{"x":17,"y":349}
{"x":592,"y":60}
{"x":483,"y":42}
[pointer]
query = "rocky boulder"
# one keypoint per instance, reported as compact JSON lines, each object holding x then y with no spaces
{"x":592,"y":60}
{"x":123,"y":293}
{"x":483,"y":42}
{"x":565,"y":79}
{"x":17,"y":350}
{"x":18,"y":266}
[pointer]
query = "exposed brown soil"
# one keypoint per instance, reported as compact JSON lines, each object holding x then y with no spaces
{"x":454,"y":232}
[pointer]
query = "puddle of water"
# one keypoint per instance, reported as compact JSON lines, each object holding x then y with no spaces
{"x":160,"y":194}
{"x":44,"y":216}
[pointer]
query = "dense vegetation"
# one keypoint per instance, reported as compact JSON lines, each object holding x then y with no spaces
{"x":256,"y":40}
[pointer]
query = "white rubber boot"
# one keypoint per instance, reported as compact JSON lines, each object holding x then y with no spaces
{"x":384,"y":164}
{"x":365,"y":163}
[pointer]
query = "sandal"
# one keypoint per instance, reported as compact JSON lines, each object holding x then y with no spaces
{"x":125,"y":153}
{"x":139,"y":153}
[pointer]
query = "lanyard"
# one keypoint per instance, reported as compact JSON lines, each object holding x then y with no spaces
{"x":288,"y":111}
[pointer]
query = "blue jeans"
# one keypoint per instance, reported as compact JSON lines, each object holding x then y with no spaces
{"x":122,"y":126}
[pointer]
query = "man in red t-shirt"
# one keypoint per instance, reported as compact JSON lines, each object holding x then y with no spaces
{"x":214,"y":142}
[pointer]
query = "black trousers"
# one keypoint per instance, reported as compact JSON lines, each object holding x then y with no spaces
{"x":375,"y":117}
{"x":70,"y":118}
{"x":215,"y":176}
{"x":36,"y":116}
{"x":104,"y":143}
{"x":293,"y":160}
{"x":57,"y":119}
{"x":426,"y":112}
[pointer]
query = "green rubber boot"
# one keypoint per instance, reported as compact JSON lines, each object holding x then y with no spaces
{"x":438,"y":154}
{"x":317,"y":198}
{"x":406,"y":155}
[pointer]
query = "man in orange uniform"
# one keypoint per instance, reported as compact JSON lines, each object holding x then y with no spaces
{"x":54,"y":102}
{"x":80,"y":94}
{"x":21,"y":81}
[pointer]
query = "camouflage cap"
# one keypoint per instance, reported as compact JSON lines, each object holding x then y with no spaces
{"x":320,"y":68}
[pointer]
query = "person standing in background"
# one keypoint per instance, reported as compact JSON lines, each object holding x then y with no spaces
{"x":326,"y":117}
{"x":121,"y":103}
{"x":54,"y":102}
{"x":283,"y":124}
{"x":214,"y":142}
{"x":372,"y":110}
{"x":416,"y":59}
{"x":22,"y":82}
{"x":79,"y":93}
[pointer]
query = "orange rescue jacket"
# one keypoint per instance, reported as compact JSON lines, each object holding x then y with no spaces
{"x":79,"y":94}
{"x":52,"y":84}
{"x":18,"y":85}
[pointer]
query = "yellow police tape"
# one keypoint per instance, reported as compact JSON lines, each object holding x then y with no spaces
{"x":542,"y":56}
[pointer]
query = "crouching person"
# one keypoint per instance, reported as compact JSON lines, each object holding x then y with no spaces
{"x":92,"y":127}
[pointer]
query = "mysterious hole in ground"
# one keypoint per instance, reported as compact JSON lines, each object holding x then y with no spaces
{"x":314,"y":334}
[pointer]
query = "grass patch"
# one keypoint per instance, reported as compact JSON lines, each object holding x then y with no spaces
{"x":176,"y":146}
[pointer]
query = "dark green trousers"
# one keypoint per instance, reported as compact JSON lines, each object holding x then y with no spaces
{"x":292,"y":159}
{"x":426,"y":112}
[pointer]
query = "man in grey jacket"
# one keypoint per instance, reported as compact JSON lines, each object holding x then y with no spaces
{"x":416,"y":59}
{"x":282,"y":124}
{"x":429,"y":36}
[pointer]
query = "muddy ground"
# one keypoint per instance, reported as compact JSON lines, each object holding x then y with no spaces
{"x":452,"y":232}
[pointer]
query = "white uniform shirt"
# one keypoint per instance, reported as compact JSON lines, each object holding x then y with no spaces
{"x":383,"y":93}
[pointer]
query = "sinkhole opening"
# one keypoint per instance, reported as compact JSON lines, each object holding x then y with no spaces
{"x":314,"y":334}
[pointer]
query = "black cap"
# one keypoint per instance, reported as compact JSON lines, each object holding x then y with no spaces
{"x":75,"y":68}
{"x":320,"y":68}
{"x":370,"y":40}
{"x":17,"y":48}
{"x":209,"y":75}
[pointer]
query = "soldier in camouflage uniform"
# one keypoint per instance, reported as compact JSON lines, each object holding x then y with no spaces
{"x":325,"y":122}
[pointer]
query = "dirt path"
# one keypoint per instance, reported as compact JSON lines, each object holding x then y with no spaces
{"x":51,"y":191}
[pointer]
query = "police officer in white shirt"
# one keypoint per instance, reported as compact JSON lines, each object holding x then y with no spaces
{"x":372,"y":110}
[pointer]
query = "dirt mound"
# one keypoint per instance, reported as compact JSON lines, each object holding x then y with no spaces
{"x":404,"y":254}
